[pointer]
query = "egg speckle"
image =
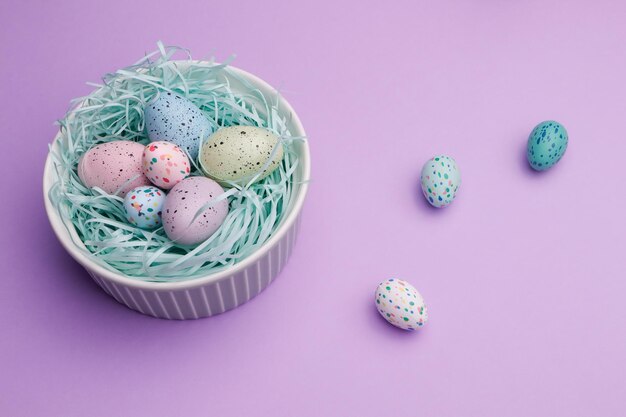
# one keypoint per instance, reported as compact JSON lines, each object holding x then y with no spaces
{"x":400,"y":304}
{"x":546,"y":145}
{"x":113,"y":167}
{"x":183,"y":203}
{"x":165,"y":164}
{"x":238,"y":153}
{"x":143,"y":207}
{"x":175,"y":119}
{"x":440,"y":180}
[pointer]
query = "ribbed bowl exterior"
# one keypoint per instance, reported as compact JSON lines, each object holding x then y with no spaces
{"x":210,"y":299}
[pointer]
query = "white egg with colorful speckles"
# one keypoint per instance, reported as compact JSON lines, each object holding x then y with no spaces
{"x":400,"y":304}
{"x":143,"y":207}
{"x":165,"y":164}
{"x":440,"y":180}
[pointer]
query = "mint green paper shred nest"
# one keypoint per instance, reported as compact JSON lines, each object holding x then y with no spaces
{"x":114,"y":111}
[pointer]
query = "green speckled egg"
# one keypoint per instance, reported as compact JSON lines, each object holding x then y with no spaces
{"x":546,"y":145}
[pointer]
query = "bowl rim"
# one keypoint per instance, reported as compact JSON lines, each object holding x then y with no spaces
{"x":62,"y":233}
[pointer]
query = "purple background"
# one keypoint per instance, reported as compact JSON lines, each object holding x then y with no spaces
{"x":524,"y":275}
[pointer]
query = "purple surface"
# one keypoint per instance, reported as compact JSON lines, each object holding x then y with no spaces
{"x":524,"y":275}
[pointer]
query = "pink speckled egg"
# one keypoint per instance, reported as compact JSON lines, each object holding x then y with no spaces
{"x":165,"y":164}
{"x":115,"y":167}
{"x":183,"y":202}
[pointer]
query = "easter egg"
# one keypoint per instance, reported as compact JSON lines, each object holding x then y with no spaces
{"x":546,"y":145}
{"x":400,"y":304}
{"x":143,"y":207}
{"x":115,"y":167}
{"x":440,"y":180}
{"x":165,"y":164}
{"x":183,"y":203}
{"x":175,"y":119}
{"x":238,"y":153}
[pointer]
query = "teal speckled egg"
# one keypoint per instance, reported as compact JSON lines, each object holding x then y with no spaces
{"x":546,"y":145}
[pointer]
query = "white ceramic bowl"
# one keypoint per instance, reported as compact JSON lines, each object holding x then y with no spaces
{"x":214,"y":293}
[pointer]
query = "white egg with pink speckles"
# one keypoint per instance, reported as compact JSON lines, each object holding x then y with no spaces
{"x":165,"y":164}
{"x":401,"y":304}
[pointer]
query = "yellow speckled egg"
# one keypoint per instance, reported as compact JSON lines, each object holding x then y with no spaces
{"x":238,"y":153}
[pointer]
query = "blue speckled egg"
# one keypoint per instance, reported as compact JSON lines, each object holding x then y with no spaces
{"x":175,"y":119}
{"x":143,"y":207}
{"x":546,"y":145}
{"x":440,"y":180}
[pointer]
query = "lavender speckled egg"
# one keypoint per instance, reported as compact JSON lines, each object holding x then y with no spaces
{"x":400,"y":304}
{"x":113,"y":166}
{"x":547,"y":144}
{"x":440,"y":180}
{"x":183,"y":202}
{"x":143,"y":207}
{"x":238,"y":153}
{"x":175,"y":119}
{"x":165,"y":164}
